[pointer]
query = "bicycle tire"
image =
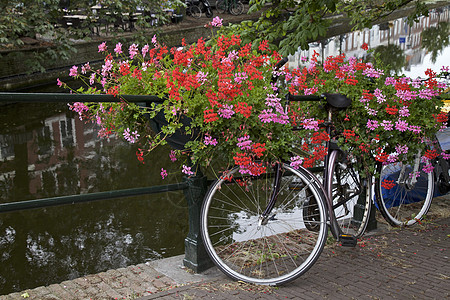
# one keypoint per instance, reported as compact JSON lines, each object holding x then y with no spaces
{"x":221,"y":7}
{"x":237,"y":8}
{"x":195,"y":11}
{"x":271,"y":253}
{"x":209,"y":13}
{"x":351,"y":195}
{"x":403,"y":203}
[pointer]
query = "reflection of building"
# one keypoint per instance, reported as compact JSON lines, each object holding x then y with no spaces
{"x":47,"y":159}
{"x":396,"y":32}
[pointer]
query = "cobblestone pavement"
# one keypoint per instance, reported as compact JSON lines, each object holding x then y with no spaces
{"x":391,"y":263}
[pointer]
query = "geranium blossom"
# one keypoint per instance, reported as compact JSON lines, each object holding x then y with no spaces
{"x":401,"y":125}
{"x":220,"y":96}
{"x":226,"y":111}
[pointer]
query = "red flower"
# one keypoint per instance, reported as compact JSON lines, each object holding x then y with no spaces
{"x":244,"y":109}
{"x":258,"y":149}
{"x":137,"y":74}
{"x":387,"y":184}
{"x":392,"y":110}
{"x":365,"y":46}
{"x":263,"y":46}
{"x":210,"y":116}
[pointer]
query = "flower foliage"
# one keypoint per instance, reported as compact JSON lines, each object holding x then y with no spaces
{"x":390,"y":119}
{"x":237,"y":111}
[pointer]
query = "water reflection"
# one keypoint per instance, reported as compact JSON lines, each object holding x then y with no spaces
{"x":401,"y":46}
{"x":50,"y":152}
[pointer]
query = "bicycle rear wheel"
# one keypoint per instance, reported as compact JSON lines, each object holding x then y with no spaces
{"x":195,"y":11}
{"x":351,"y":195}
{"x":237,"y":8}
{"x":402,"y":198}
{"x":272,"y":251}
{"x":221,"y":7}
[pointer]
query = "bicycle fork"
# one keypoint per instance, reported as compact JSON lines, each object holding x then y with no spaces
{"x":266,"y":215}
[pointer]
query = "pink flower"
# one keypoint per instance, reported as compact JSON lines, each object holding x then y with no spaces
{"x":401,"y":125}
{"x":415,"y":129}
{"x":428,"y":168}
{"x":59,"y":82}
{"x":163,"y":173}
{"x":379,"y":94}
{"x":102,"y":47}
{"x":133,"y":50}
{"x":311,"y":124}
{"x":388,"y":126}
{"x":73,"y":71}
{"x":131,"y":137}
{"x":187,"y":170}
{"x":226,"y":111}
{"x":92,"y":79}
{"x":201,"y":77}
{"x":173,"y":156}
{"x":154,"y":41}
{"x":371,"y":72}
{"x":401,"y":149}
{"x":145,"y":50}
{"x":217,"y":22}
{"x":267,"y":115}
{"x":244,"y":143}
{"x":210,"y":141}
{"x":86,"y":67}
{"x":296,"y":162}
{"x":403,"y":112}
{"x":118,"y":48}
{"x":372,"y":124}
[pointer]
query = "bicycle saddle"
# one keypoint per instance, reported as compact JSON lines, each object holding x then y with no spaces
{"x":337,"y":100}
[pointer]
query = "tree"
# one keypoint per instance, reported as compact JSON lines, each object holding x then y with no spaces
{"x":290,"y":24}
{"x":39,"y":21}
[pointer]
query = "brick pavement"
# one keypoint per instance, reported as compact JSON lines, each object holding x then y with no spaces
{"x":390,"y":264}
{"x":398,"y":264}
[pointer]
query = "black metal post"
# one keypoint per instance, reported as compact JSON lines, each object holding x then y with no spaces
{"x":196,"y":257}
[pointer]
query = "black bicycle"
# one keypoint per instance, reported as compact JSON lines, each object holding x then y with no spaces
{"x":234,"y":7}
{"x":270,"y":229}
{"x":195,"y":8}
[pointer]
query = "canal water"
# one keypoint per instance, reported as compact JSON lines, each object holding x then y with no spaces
{"x":46,"y":151}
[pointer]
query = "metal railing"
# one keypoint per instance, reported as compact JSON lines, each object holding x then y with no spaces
{"x":194,"y":187}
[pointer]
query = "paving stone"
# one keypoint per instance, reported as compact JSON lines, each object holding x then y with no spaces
{"x":387,"y":273}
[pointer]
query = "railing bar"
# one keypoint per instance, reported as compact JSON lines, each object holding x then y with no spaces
{"x":67,"y":98}
{"x":72,"y":199}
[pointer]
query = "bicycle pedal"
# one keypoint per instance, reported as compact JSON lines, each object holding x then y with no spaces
{"x":348,"y":240}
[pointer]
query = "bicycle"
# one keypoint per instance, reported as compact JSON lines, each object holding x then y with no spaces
{"x":195,"y":8}
{"x":234,"y":7}
{"x":270,"y":229}
{"x":403,"y":192}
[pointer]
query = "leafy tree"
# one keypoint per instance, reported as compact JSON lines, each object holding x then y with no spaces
{"x":435,"y":39}
{"x":43,"y":21}
{"x":291,"y":24}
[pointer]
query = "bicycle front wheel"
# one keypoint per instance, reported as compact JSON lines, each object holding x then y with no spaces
{"x":273,"y":250}
{"x":195,"y":11}
{"x":403,"y":193}
{"x":221,"y":6}
{"x":236,"y":8}
{"x":351,"y":195}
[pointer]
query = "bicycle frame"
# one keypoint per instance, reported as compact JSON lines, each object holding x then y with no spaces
{"x":327,"y":173}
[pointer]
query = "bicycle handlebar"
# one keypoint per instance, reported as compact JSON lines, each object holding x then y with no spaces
{"x":335,"y":100}
{"x":281,"y":63}
{"x":297,"y":98}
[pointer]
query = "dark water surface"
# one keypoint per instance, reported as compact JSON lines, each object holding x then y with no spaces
{"x":46,"y":151}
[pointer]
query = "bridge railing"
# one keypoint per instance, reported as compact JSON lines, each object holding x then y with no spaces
{"x":194,"y":187}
